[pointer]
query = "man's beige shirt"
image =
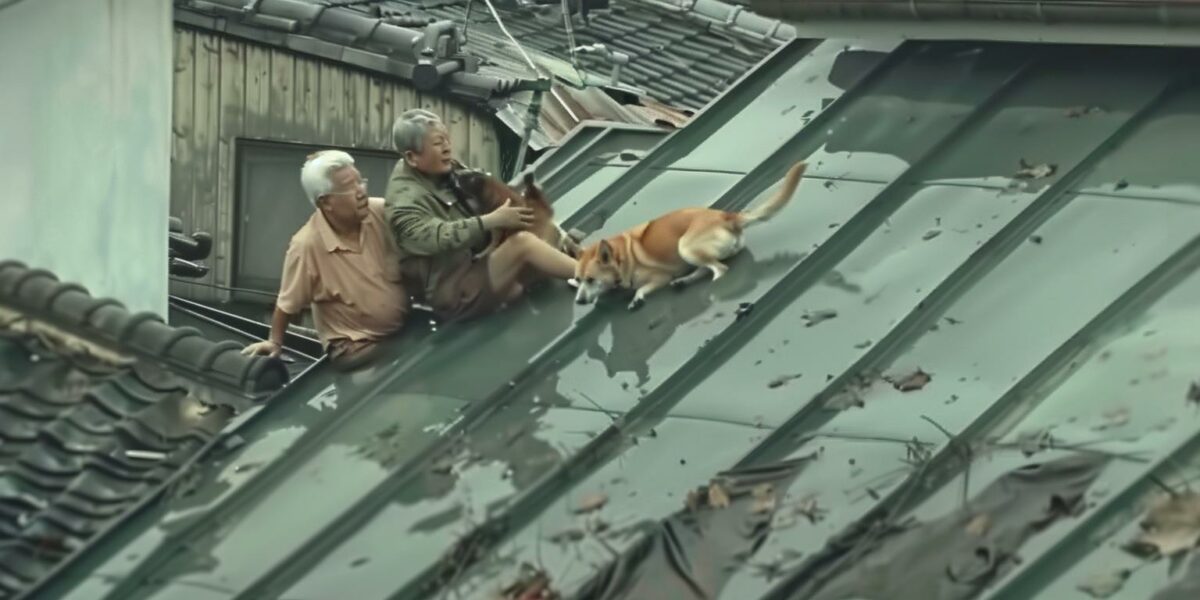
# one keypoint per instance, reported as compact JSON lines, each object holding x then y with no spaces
{"x":355,"y":295}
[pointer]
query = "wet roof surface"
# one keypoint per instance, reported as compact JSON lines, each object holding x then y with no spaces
{"x":991,"y":264}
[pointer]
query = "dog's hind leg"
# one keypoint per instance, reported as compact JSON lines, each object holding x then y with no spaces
{"x":695,"y":275}
{"x":707,"y":248}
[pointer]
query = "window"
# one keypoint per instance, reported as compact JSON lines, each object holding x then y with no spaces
{"x":271,"y":206}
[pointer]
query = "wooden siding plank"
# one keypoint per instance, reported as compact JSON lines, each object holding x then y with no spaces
{"x":460,"y":129}
{"x":182,"y":104}
{"x":474,"y":153}
{"x":258,"y":93}
{"x":332,"y":130}
{"x":379,"y":115}
{"x":308,"y":99}
{"x":206,"y":118}
{"x":232,"y":124}
{"x":282,"y":115}
{"x":404,"y":98}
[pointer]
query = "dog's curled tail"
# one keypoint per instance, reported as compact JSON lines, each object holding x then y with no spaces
{"x":774,"y":204}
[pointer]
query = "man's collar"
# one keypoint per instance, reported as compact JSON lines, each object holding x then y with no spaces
{"x":440,"y":190}
{"x":329,"y":238}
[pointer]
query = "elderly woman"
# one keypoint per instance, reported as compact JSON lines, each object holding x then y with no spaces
{"x":342,"y":263}
{"x":439,"y":236}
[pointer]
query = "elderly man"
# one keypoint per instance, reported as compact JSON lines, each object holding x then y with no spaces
{"x":440,"y":236}
{"x":343,"y":263}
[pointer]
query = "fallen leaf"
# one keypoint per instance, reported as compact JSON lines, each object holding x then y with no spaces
{"x":782,"y":380}
{"x":531,"y":584}
{"x":1120,"y":185}
{"x":717,"y":496}
{"x":591,"y":502}
{"x":912,"y":382}
{"x":808,"y":509}
{"x":764,"y":499}
{"x":845,"y":400}
{"x":979,"y":525}
{"x":817,"y":316}
{"x":358,"y":562}
{"x":1171,"y":526}
{"x":1113,"y":419}
{"x":1193,"y":394}
{"x":1105,"y":583}
{"x":1075,"y":112}
{"x":567,"y":536}
{"x":743,"y":310}
{"x":1038,"y":171}
{"x":1037,"y":239}
{"x":932,"y":233}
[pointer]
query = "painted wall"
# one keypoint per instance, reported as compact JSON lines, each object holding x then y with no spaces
{"x":85,"y":106}
{"x":228,"y":91}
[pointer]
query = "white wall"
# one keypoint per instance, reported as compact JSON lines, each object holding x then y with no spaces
{"x":85,"y":109}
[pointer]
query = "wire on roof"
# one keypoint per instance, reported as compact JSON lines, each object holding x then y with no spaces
{"x":227,"y":288}
{"x":467,"y":21}
{"x":500,"y":23}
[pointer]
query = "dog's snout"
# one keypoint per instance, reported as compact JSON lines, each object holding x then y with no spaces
{"x":581,"y":301}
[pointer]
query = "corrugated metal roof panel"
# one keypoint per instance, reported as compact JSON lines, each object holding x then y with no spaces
{"x":989,"y":257}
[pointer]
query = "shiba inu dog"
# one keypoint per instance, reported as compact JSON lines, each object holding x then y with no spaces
{"x":491,"y":193}
{"x":660,"y":252}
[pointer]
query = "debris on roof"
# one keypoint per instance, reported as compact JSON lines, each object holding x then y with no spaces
{"x":100,"y":410}
{"x":1076,"y":353}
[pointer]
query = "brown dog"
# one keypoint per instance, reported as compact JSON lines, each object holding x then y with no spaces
{"x":491,"y":193}
{"x":654,"y":254}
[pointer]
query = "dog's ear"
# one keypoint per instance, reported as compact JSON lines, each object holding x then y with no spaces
{"x":606,"y":252}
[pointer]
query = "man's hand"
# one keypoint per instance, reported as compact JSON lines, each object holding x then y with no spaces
{"x":508,"y":217}
{"x":266,"y":347}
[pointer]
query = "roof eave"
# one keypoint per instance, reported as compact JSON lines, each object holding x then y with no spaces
{"x":1157,"y":23}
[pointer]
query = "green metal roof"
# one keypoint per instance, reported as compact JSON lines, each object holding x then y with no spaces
{"x":1055,"y":303}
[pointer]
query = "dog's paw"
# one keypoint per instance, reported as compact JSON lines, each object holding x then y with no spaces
{"x":679,"y":284}
{"x":636,"y":303}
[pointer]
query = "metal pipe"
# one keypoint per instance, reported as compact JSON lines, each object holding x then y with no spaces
{"x":531,"y":121}
{"x":1124,"y":12}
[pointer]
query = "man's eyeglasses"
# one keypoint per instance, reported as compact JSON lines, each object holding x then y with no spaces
{"x":362,"y":185}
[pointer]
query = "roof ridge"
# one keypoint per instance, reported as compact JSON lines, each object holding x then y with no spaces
{"x":69,"y":306}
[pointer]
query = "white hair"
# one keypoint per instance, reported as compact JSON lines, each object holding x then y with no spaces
{"x":317,"y":170}
{"x":410,"y":128}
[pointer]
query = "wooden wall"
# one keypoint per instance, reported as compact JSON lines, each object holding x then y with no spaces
{"x":227,"y":89}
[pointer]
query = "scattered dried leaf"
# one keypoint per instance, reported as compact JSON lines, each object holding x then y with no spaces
{"x":912,"y":382}
{"x":591,"y":502}
{"x":1032,"y":442}
{"x":845,"y":400}
{"x":863,"y":345}
{"x":1112,"y":419}
{"x":1075,"y":112}
{"x":1105,"y":583}
{"x":782,"y":380}
{"x":1037,"y":239}
{"x":531,"y":584}
{"x":1193,"y":394}
{"x":743,"y":310}
{"x":567,"y":536}
{"x":1120,"y":185}
{"x":1035,"y":171}
{"x":817,"y":316}
{"x":808,"y":509}
{"x":932,"y":233}
{"x":360,"y":561}
{"x":718,"y":497}
{"x":1171,"y":526}
{"x":764,"y":499}
{"x":979,"y":525}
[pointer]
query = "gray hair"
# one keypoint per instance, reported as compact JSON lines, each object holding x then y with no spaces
{"x":317,"y":170}
{"x":411,"y":127}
